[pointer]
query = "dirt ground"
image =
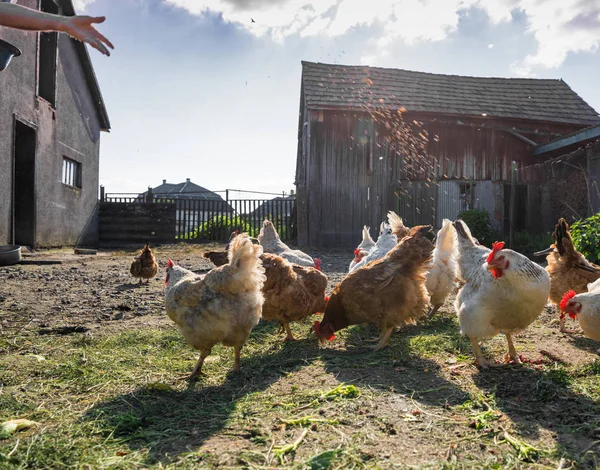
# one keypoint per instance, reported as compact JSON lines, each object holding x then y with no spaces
{"x":419,"y":403}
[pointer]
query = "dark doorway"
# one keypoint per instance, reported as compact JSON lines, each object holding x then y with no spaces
{"x":520,"y":208}
{"x":24,"y":185}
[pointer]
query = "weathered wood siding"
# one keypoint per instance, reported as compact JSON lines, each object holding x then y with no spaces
{"x":136,"y":223}
{"x":348,"y":176}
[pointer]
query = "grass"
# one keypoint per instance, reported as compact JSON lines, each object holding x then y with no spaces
{"x":114,"y":401}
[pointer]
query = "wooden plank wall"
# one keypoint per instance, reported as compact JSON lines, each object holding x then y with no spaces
{"x":136,"y":223}
{"x":352,"y":177}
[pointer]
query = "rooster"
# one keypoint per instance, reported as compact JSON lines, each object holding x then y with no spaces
{"x":271,"y":243}
{"x":386,"y":241}
{"x":586,"y":308}
{"x":362,"y":250}
{"x":388,"y":292}
{"x":144,"y":265}
{"x":291,"y":292}
{"x":568,"y":269}
{"x":221,"y":307}
{"x":503,"y":292}
{"x":440,"y":278}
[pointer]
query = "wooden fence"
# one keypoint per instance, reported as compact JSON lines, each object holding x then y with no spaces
{"x":129,"y":219}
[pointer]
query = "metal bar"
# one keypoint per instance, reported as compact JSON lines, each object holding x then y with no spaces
{"x":513,"y":188}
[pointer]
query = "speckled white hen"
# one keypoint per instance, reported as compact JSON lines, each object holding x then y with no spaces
{"x":504,"y":292}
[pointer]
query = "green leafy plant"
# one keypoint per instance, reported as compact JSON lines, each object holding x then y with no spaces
{"x":221,"y":226}
{"x":480,"y":224}
{"x":586,"y":236}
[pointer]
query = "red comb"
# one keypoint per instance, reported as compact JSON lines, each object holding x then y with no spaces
{"x":356,"y":252}
{"x":326,"y":299}
{"x":496,"y":247}
{"x":170,"y":263}
{"x":565,"y":300}
{"x":317,"y":262}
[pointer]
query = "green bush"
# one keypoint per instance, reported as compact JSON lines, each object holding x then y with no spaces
{"x":480,"y":224}
{"x":527,"y":243}
{"x":586,"y":236}
{"x":221,"y":226}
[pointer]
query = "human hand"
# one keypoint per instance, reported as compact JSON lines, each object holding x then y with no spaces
{"x":82,"y":28}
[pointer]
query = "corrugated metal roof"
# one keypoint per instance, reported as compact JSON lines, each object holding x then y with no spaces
{"x":328,"y":86}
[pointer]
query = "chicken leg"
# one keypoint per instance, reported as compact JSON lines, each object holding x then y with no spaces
{"x":236,"y":358}
{"x":198,"y":369}
{"x":433,"y":310}
{"x":512,"y":352}
{"x":479,"y":359}
{"x":289,"y":335}
{"x":384,"y":339}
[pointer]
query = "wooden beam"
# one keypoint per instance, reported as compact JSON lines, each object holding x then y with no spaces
{"x":580,"y":137}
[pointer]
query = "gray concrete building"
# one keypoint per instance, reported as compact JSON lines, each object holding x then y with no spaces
{"x":51,"y":118}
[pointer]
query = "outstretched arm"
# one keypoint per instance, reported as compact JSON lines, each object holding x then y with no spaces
{"x":79,"y":27}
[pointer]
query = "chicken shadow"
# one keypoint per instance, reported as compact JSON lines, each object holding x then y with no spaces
{"x":585,"y":344}
{"x":170,"y":422}
{"x":398,"y":368}
{"x":541,"y":399}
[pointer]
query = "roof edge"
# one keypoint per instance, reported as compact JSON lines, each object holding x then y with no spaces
{"x":90,"y":74}
{"x":579,"y":137}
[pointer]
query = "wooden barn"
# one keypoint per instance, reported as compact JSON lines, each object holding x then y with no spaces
{"x":463,"y":135}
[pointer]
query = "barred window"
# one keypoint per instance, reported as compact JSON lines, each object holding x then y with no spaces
{"x":71,"y":173}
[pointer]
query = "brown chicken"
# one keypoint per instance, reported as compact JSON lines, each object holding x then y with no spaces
{"x":568,"y":269}
{"x":219,"y":258}
{"x":221,"y":307}
{"x":387,"y":292}
{"x":144,"y":265}
{"x":291,"y":292}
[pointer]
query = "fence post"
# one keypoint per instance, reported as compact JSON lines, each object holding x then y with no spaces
{"x":513,"y":190}
{"x":102,"y":194}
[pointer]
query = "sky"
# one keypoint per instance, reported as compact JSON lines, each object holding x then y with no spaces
{"x":197,"y":89}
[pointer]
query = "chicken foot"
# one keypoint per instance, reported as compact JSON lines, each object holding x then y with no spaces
{"x":289,"y":335}
{"x":433,"y":310}
{"x":198,"y":369}
{"x":384,"y":339}
{"x":512,"y":352}
{"x":479,"y":359}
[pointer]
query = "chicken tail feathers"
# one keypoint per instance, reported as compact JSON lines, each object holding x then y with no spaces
{"x":244,"y":257}
{"x":563,"y":237}
{"x":463,"y":232}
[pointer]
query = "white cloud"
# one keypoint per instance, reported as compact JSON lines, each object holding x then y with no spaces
{"x":81,"y":4}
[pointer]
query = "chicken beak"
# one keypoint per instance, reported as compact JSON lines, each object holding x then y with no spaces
{"x":545,"y":252}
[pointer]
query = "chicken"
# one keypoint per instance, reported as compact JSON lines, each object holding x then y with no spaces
{"x":362,"y":250}
{"x":221,"y":307}
{"x":568,"y":269}
{"x":388,"y":292}
{"x":440,"y":278}
{"x":271,"y":243}
{"x":219,"y":258}
{"x":144,"y":265}
{"x":586,"y":308}
{"x":398,"y":227}
{"x":386,"y":241}
{"x":503,"y":292}
{"x":291,"y":292}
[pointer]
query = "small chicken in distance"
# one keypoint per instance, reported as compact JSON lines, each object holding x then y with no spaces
{"x":221,"y":307}
{"x":388,"y":292}
{"x":584,"y":307}
{"x":291,"y":292}
{"x":219,"y":258}
{"x":568,"y":269}
{"x":385,"y":242}
{"x":364,"y":248}
{"x":144,"y":266}
{"x":271,"y":243}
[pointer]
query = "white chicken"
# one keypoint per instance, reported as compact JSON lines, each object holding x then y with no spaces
{"x":271,"y":243}
{"x":503,"y":292}
{"x":586,"y":308}
{"x":365,"y":247}
{"x":440,"y":278}
{"x":386,"y":241}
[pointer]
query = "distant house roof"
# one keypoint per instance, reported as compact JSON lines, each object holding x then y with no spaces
{"x":274,"y":207}
{"x":327,"y":86}
{"x":185,"y":190}
{"x":88,"y":70}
